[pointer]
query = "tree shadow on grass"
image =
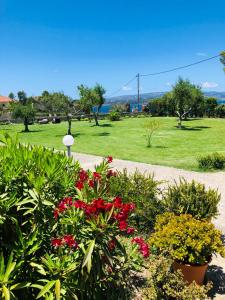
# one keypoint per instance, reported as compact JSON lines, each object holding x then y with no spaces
{"x":73,"y":134}
{"x":103,"y":125}
{"x":30,"y":131}
{"x":194,"y":128}
{"x":161,"y":147}
{"x":102,"y":134}
{"x":217,"y":276}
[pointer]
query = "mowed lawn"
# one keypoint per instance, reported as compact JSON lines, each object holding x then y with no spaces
{"x":125,"y":139}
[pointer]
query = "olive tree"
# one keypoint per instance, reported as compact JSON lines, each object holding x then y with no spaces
{"x":91,"y":99}
{"x":23,"y":108}
{"x":185,"y":95}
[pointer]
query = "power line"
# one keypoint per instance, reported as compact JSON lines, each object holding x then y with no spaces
{"x":182,"y":67}
{"x":120,"y":89}
{"x":161,"y":72}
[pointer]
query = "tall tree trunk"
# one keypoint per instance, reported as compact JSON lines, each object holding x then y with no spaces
{"x":69,"y":125}
{"x":26,"y":129}
{"x":96,"y":119}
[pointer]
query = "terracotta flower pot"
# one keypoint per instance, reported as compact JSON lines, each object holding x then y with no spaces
{"x":191,"y":273}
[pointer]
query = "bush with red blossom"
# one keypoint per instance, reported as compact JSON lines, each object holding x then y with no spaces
{"x":91,"y":228}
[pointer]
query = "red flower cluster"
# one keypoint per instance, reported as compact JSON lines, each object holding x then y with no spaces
{"x":111,"y":173}
{"x":62,"y":206}
{"x":109,"y":159}
{"x":143,"y":247}
{"x":122,"y":210}
{"x":83,"y":177}
{"x":65,"y":240}
{"x":112,"y":245}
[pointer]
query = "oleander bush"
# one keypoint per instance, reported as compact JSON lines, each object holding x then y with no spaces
{"x":212,"y":161}
{"x":143,"y":191}
{"x":191,"y":198}
{"x":163,"y":283}
{"x":80,"y":247}
{"x":186,"y":239}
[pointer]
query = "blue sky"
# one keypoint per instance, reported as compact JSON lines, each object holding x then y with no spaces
{"x":56,"y":45}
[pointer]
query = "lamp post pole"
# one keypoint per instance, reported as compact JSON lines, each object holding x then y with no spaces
{"x":68,"y":141}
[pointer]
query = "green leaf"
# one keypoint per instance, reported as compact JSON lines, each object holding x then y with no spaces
{"x":40,"y":269}
{"x":5,"y":292}
{"x":88,"y":254}
{"x":46,"y":288}
{"x":20,"y":285}
{"x":10,"y":267}
{"x":57,"y":289}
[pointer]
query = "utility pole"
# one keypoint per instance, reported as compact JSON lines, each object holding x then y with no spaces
{"x":138,"y":89}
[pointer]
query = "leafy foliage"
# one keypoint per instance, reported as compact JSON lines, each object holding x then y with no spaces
{"x":191,"y":198}
{"x":212,"y":161}
{"x":91,"y":99}
{"x":150,"y":126}
{"x":114,"y":116}
{"x":186,"y":239}
{"x":165,"y":284}
{"x":142,"y":190}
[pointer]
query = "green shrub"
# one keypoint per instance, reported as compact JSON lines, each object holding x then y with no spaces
{"x":164,"y":284}
{"x":191,"y":198}
{"x":211,"y":161}
{"x":63,"y":249}
{"x":32,"y":179}
{"x":186,"y":239}
{"x":114,"y":116}
{"x":142,"y":190}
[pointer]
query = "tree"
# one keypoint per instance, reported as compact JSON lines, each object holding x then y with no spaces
{"x":11,"y":96}
{"x":150,"y":127}
{"x":185,"y":96}
{"x":91,"y":99}
{"x":210,"y":106}
{"x":23,"y":109}
{"x":57,"y":103}
{"x":222,"y":59}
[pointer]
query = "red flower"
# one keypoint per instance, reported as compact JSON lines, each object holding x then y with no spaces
{"x":96,"y":175}
{"x":70,"y":241}
{"x":108,"y":206}
{"x":111,"y":174}
{"x":117,"y":202}
{"x":91,"y":183}
{"x":57,"y":242}
{"x":109,"y":159}
{"x":123,"y":225}
{"x":112,"y":245}
{"x":130,"y":230}
{"x":79,"y":185}
{"x":143,"y":247}
{"x":83,"y":175}
{"x":79,"y":204}
{"x":56,"y":213}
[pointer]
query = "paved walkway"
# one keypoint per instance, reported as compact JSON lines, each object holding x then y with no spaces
{"x":216,"y":271}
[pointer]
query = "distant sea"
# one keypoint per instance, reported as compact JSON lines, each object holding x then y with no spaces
{"x":105,"y":109}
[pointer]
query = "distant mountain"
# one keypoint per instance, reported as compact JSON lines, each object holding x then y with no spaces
{"x":153,"y":95}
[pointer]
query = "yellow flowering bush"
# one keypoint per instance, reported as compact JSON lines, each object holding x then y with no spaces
{"x":186,"y":239}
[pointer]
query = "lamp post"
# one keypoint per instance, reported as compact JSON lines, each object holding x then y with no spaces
{"x":68,"y":141}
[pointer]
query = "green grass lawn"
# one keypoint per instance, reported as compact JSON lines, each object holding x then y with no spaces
{"x":126,"y":139}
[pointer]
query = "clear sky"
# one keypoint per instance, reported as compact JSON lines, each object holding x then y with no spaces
{"x":56,"y":45}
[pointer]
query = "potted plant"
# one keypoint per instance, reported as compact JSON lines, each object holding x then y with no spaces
{"x":189,"y":242}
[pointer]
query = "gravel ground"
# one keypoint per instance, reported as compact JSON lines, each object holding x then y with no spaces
{"x":215,"y":180}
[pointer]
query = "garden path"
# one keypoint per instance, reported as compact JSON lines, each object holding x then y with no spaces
{"x":214,"y":180}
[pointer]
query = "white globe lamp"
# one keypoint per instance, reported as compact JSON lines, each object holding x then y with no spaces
{"x":68,"y":141}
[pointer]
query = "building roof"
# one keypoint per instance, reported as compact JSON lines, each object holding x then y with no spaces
{"x":4,"y":99}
